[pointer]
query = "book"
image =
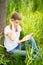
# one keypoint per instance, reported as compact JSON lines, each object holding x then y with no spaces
{"x":27,"y":37}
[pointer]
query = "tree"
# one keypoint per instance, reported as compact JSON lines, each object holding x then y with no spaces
{"x":3,"y":4}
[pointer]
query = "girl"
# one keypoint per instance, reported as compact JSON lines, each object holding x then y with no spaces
{"x":12,"y":34}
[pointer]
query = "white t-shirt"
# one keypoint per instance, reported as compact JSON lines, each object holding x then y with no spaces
{"x":9,"y":44}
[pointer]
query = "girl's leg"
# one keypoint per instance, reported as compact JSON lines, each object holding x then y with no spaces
{"x":23,"y":46}
{"x":17,"y":51}
{"x":34,"y":46}
{"x":23,"y":52}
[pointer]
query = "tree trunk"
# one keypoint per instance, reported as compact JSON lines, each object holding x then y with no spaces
{"x":3,"y":7}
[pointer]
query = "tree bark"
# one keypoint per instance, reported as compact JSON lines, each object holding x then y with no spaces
{"x":3,"y":7}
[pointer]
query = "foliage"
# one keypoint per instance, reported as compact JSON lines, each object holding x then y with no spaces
{"x":32,"y":21}
{"x":3,"y":59}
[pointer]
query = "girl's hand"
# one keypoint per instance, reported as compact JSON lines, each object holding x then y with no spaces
{"x":12,"y":22}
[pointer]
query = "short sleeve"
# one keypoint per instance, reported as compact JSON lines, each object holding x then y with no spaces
{"x":19,"y":28}
{"x":7,"y":30}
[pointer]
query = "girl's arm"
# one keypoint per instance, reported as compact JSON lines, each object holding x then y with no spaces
{"x":21,"y":41}
{"x":11,"y":34}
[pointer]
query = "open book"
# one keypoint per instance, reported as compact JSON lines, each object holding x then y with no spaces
{"x":27,"y":37}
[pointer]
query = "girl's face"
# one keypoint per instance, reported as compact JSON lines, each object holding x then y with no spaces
{"x":15,"y":22}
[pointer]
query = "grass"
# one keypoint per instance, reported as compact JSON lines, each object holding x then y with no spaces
{"x":32,"y":21}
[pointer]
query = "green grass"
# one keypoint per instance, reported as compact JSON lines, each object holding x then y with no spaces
{"x":32,"y":21}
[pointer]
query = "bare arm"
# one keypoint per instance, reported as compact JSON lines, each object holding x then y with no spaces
{"x":11,"y":34}
{"x":21,"y":41}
